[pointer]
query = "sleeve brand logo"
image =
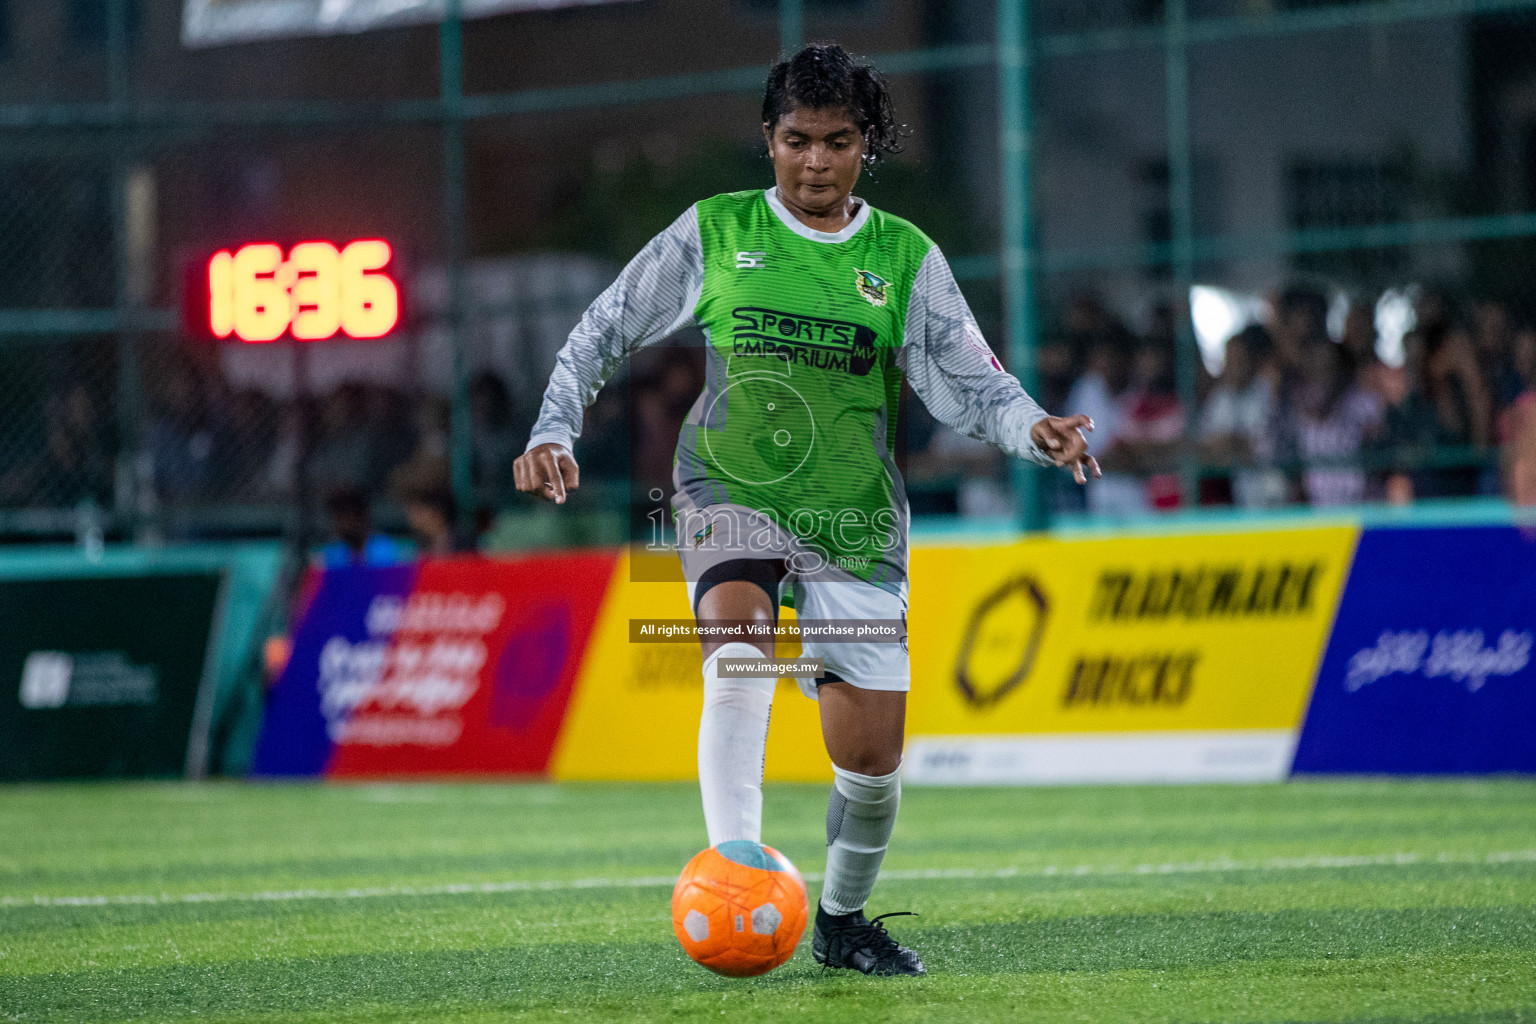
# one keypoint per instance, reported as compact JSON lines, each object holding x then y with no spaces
{"x":979,"y":343}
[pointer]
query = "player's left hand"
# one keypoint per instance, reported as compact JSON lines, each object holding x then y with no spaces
{"x":1062,"y":438}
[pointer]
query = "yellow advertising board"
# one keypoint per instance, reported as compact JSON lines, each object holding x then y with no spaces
{"x":1194,"y":654}
{"x":1132,"y":649}
{"x":635,"y":710}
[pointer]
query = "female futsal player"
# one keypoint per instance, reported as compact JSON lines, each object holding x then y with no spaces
{"x":813,"y":305}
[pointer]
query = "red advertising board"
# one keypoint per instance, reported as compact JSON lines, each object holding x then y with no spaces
{"x":466,"y":672}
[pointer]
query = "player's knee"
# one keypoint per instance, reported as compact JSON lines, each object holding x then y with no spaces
{"x":875,"y":759}
{"x":737,"y":600}
{"x":723,"y":684}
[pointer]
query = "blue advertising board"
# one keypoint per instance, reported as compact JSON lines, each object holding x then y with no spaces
{"x":1430,"y":666}
{"x":295,"y":736}
{"x":451,"y":666}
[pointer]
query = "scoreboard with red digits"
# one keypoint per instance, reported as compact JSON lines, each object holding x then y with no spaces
{"x":314,"y":291}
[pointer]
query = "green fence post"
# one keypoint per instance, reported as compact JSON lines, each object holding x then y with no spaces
{"x":1181,"y":208}
{"x":450,"y":47}
{"x":1014,"y":138}
{"x":130,"y":287}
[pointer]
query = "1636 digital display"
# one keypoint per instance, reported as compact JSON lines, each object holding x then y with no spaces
{"x":315,"y":291}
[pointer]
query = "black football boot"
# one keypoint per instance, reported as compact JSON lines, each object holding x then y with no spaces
{"x":851,"y":941}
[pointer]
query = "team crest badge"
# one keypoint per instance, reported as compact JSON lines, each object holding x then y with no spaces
{"x":871,"y":286}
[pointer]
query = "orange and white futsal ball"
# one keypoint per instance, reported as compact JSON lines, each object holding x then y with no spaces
{"x":739,"y":908}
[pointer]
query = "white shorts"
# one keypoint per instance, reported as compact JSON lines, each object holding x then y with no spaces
{"x":828,"y":593}
{"x":882,"y":665}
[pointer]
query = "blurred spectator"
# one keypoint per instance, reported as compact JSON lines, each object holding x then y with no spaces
{"x":1330,"y":419}
{"x":394,"y":417}
{"x":1520,"y":453}
{"x":1084,"y":323}
{"x":1523,"y":360}
{"x":1152,"y":424}
{"x":1462,"y":399}
{"x":254,"y":425}
{"x":927,"y":481}
{"x":662,"y":399}
{"x":356,"y":542}
{"x":428,"y":466}
{"x":1492,"y":335}
{"x":604,"y":444}
{"x":1301,"y":318}
{"x":1432,"y":311}
{"x":497,"y":441}
{"x":184,"y":437}
{"x":1410,"y":428}
{"x":681,"y":382}
{"x":1163,"y":327}
{"x":655,"y":438}
{"x":1446,"y":404}
{"x":948,"y":473}
{"x":433,"y":515}
{"x":346,"y":452}
{"x":1237,"y":427}
{"x":75,"y":463}
{"x":1359,"y":342}
{"x":1517,"y":425}
{"x":282,"y":471}
{"x":79,"y":442}
{"x":1101,"y":393}
{"x":979,"y":491}
{"x":1055,"y":370}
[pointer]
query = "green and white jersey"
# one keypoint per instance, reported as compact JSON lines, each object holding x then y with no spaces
{"x":809,"y":333}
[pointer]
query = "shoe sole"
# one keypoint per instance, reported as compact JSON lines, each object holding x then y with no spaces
{"x":821,"y":958}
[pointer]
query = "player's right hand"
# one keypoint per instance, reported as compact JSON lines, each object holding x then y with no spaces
{"x":1065,"y":440}
{"x":549,"y":471}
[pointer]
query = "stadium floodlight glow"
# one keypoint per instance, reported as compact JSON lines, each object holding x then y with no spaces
{"x":1396,"y":315}
{"x":1217,"y":314}
{"x":319,"y":291}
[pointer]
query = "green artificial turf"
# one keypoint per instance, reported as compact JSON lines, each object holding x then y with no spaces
{"x":1311,"y":901}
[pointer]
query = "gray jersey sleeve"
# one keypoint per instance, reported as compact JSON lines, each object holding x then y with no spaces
{"x":954,"y":372}
{"x":653,"y":296}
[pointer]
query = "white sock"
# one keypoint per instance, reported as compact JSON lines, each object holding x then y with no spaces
{"x":860,"y":815}
{"x":733,"y":736}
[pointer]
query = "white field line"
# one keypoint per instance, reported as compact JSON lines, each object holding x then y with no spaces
{"x":658,"y":881}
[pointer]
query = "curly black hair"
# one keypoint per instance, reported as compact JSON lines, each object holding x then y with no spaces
{"x":824,"y":75}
